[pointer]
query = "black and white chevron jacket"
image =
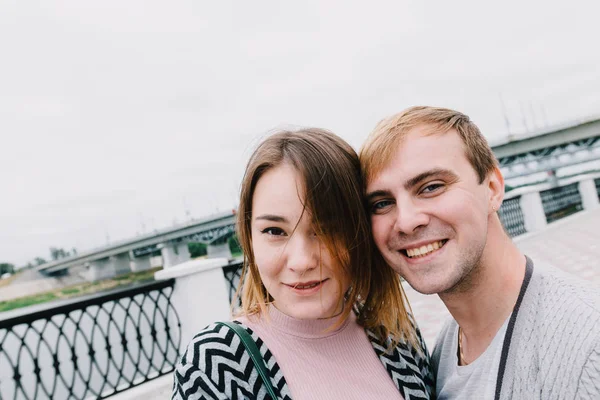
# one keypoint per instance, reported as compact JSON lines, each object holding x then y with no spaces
{"x":216,"y":365}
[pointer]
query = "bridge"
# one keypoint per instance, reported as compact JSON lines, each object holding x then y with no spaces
{"x":572,"y":144}
{"x":540,"y":160}
{"x":136,"y":254}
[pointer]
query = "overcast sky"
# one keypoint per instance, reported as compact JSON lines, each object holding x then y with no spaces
{"x":120,"y":117}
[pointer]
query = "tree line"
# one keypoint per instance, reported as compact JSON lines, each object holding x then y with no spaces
{"x":56,"y":253}
{"x":7,"y":268}
{"x":199,"y":249}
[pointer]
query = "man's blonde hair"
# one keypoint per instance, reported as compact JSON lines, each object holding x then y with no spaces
{"x":383,"y":142}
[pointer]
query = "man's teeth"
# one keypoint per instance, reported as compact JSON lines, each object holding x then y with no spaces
{"x":424,"y":250}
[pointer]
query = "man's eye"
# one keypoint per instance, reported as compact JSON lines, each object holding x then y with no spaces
{"x":273,"y":231}
{"x":380,"y":205}
{"x":432,"y":188}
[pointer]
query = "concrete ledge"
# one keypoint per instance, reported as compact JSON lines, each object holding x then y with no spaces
{"x":159,"y":388}
{"x":190,"y":267}
{"x":556,"y":224}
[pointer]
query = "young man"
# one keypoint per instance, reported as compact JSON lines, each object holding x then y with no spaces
{"x":519,"y":330}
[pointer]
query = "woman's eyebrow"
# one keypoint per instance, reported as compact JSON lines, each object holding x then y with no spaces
{"x":271,"y":217}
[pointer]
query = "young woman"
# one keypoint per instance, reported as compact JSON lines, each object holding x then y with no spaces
{"x":330,"y":321}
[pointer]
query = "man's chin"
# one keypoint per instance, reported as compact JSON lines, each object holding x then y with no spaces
{"x":425,"y":286}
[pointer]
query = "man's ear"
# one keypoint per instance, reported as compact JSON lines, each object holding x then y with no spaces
{"x":495,"y":182}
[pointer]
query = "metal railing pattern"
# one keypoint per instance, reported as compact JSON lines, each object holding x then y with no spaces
{"x":561,"y":201}
{"x":511,"y":216}
{"x":90,"y":348}
{"x":232,"y":274}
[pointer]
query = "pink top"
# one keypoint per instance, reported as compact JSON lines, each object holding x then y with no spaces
{"x":319,"y":364}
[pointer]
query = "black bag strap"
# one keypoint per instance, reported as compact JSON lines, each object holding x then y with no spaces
{"x":254,"y":353}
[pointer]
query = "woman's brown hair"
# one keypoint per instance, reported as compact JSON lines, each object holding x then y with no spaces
{"x":330,"y":170}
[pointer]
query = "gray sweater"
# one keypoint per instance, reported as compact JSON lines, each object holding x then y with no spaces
{"x":552,"y":345}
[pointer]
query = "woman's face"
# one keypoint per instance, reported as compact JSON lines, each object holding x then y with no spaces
{"x":296,"y":269}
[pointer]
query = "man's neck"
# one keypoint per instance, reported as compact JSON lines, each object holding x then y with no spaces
{"x":482,"y":308}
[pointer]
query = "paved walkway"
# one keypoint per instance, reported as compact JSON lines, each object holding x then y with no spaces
{"x":572,"y":244}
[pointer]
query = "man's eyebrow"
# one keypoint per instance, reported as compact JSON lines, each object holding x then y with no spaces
{"x":271,"y":217}
{"x":377,"y":193}
{"x":414,"y":181}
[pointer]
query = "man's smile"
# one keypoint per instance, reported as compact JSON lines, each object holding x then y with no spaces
{"x":423,"y":249}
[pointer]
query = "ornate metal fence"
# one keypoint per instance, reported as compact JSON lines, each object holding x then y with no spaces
{"x":232,"y":278}
{"x":561,"y":201}
{"x":91,"y":348}
{"x":511,"y":215}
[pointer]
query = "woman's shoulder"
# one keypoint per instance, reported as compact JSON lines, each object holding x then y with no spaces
{"x":213,"y":353}
{"x":216,"y":339}
{"x":215,"y":364}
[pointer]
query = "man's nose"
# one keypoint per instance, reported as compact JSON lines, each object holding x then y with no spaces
{"x":409,"y":216}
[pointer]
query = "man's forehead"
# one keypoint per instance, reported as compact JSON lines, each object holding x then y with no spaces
{"x":421,"y":150}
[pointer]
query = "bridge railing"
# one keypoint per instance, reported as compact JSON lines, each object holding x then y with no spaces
{"x":511,"y":216}
{"x":90,"y":348}
{"x":232,"y":273}
{"x":529,"y":209}
{"x":561,"y":201}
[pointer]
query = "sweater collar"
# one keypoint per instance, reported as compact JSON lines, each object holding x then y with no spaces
{"x":306,"y":328}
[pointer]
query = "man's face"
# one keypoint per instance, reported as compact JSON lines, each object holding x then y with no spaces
{"x":429,"y":213}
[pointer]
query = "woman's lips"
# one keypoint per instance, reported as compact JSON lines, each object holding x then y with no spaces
{"x":306,"y":288}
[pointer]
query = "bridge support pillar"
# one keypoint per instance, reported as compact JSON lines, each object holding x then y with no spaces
{"x":120,"y":263}
{"x":589,"y":194}
{"x":215,"y":250}
{"x":174,"y":253}
{"x":200,"y":294}
{"x":100,"y":269}
{"x":533,"y":211}
{"x":138,"y":263}
{"x":183,"y":252}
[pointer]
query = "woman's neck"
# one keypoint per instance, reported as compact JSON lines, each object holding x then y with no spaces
{"x":306,"y":328}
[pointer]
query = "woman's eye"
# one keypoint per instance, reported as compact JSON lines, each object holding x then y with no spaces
{"x":273,"y":231}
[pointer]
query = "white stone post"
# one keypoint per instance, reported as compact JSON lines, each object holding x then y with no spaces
{"x":589,"y":194}
{"x":533,"y":211}
{"x":200,"y":294}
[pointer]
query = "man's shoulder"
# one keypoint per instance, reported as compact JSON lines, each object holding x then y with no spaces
{"x":555,"y":286}
{"x":559,"y":310}
{"x":556,"y":335}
